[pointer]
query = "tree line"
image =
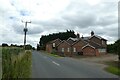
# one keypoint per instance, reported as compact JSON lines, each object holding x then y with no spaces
{"x":114,"y":48}
{"x":27,"y":47}
{"x":61,"y":35}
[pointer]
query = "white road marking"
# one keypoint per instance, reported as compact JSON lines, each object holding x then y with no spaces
{"x":55,"y":63}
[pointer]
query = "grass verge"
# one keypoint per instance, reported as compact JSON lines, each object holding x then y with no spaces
{"x":52,"y":54}
{"x":16,"y":63}
{"x":113,"y":67}
{"x":55,"y":55}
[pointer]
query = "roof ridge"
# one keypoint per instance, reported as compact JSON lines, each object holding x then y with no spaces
{"x":88,"y":45}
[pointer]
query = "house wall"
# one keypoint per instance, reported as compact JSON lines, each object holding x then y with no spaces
{"x":56,"y":42}
{"x":78,"y":46}
{"x":97,"y":52}
{"x":89,"y":51}
{"x":102,"y":51}
{"x":104,"y":43}
{"x":65,"y":46}
{"x":49,"y":48}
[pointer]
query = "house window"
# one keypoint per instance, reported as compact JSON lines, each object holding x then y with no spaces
{"x":74,"y":49}
{"x":103,"y":42}
{"x":68,"y":49}
{"x":102,"y":50}
{"x":53,"y":44}
{"x":62,"y":49}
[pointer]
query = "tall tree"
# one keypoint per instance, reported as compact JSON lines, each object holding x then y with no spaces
{"x":117,"y":47}
{"x":114,"y":48}
{"x":61,"y":35}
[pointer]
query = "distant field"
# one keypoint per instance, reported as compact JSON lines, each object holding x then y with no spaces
{"x":16,"y":63}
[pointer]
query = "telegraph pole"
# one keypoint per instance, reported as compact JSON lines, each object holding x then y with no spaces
{"x":25,"y":31}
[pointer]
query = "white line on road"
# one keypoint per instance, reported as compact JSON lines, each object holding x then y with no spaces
{"x":55,"y":63}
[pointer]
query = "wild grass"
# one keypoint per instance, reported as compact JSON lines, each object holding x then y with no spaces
{"x":53,"y":54}
{"x":16,"y":63}
{"x":114,"y":70}
{"x":113,"y":67}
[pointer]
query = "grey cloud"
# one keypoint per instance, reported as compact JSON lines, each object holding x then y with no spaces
{"x":31,"y":30}
{"x":82,"y":15}
{"x":53,"y":24}
{"x":80,"y":20}
{"x":106,"y":20}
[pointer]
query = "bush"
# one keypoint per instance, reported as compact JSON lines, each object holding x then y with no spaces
{"x":80,"y":53}
{"x":4,"y":45}
{"x":28,"y":47}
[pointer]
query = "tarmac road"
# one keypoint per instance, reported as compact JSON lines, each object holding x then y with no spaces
{"x":46,"y":66}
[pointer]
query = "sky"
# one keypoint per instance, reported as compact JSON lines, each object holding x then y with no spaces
{"x":52,"y":16}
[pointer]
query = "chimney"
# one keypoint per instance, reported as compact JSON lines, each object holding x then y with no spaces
{"x":78,"y":35}
{"x":82,"y":37}
{"x":92,"y":33}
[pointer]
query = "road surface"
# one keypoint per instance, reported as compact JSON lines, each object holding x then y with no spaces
{"x":46,"y":66}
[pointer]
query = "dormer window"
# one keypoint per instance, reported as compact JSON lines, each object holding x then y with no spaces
{"x":53,"y":44}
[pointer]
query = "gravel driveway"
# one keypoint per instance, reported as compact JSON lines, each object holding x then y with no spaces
{"x":98,"y":60}
{"x":107,"y":57}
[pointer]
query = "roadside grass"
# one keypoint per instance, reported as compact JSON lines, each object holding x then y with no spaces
{"x":16,"y":63}
{"x":52,"y":54}
{"x":113,"y":67}
{"x":80,"y":56}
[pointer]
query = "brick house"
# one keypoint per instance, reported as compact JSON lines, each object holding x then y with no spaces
{"x":92,"y":45}
{"x":96,"y":45}
{"x":77,"y":46}
{"x":88,"y":50}
{"x":93,"y":49}
{"x":50,"y":46}
{"x":64,"y":48}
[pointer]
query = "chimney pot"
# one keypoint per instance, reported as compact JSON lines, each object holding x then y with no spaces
{"x":92,"y":33}
{"x":78,"y":35}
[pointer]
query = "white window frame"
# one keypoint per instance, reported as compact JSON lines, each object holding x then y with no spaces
{"x":62,"y":49}
{"x":53,"y":44}
{"x":74,"y":49}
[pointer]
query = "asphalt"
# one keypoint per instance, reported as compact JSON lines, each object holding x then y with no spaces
{"x":46,"y":66}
